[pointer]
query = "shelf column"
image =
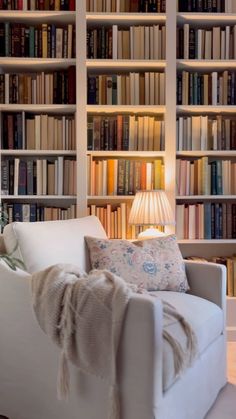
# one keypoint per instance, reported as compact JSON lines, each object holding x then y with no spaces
{"x":81,"y":103}
{"x":170,"y":116}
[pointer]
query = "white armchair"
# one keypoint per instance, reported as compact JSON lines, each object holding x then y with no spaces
{"x":28,"y":360}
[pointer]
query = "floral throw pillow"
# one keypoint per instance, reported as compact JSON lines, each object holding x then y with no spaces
{"x":154,"y":264}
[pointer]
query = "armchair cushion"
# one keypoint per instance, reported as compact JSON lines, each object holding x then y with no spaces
{"x":46,"y":243}
{"x":154,"y":264}
{"x":206,"y":319}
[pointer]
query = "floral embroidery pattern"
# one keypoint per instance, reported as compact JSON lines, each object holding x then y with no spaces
{"x":155,"y":264}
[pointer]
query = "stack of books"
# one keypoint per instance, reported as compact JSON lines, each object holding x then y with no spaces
{"x":127,"y":6}
{"x":37,"y":5}
{"x":135,"y":43}
{"x":38,"y":177}
{"x":201,"y":177}
{"x":38,"y":132}
{"x":125,"y":132}
{"x":127,"y":89}
{"x":206,"y":221}
{"x":39,"y":88}
{"x":124,"y":177}
{"x":207,"y":6}
{"x":35,"y":212}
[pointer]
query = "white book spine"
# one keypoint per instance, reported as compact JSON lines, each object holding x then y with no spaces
{"x":114,"y":42}
{"x":147,"y":43}
{"x":37,"y":132}
{"x":156,"y":51}
{"x":227,"y":38}
{"x":60,"y":175}
{"x":16,"y":176}
{"x":44,"y":177}
{"x":186,"y":41}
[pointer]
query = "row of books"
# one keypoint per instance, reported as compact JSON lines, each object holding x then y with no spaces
{"x":35,"y":212}
{"x":216,"y":88}
{"x":38,"y":177}
{"x":201,"y":177}
{"x":126,"y":132}
{"x":135,"y":43}
{"x":115,"y":220}
{"x":127,"y":89}
{"x":230,"y":263}
{"x":44,"y":41}
{"x":127,"y":6}
{"x":206,"y":221}
{"x":217,"y":43}
{"x":39,"y":88}
{"x":206,"y":133}
{"x":207,"y":6}
{"x":124,"y":177}
{"x":37,"y":5}
{"x":38,"y":132}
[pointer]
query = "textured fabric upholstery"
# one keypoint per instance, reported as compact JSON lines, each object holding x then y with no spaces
{"x":206,"y":319}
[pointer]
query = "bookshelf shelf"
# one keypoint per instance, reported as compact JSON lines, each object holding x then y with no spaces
{"x":138,"y":109}
{"x":125,"y":64}
{"x":206,"y":19}
{"x":231,"y":299}
{"x":38,"y":197}
{"x":202,"y":109}
{"x":35,"y":63}
{"x":205,"y":197}
{"x":210,"y":153}
{"x":142,"y":154}
{"x":207,"y":242}
{"x":53,"y":109}
{"x":125,"y":18}
{"x":46,"y":16}
{"x":205,"y":64}
{"x":38,"y":153}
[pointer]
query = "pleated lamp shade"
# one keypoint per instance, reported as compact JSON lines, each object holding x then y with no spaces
{"x":151,"y":208}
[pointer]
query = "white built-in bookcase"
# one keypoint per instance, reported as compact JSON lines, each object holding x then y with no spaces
{"x":81,"y":110}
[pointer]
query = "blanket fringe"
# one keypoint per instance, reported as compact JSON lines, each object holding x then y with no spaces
{"x":63,"y":378}
{"x":114,"y":403}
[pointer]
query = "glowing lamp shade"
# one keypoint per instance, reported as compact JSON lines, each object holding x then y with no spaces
{"x":151,"y":208}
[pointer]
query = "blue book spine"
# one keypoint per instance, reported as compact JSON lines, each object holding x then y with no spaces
{"x":7,"y":40}
{"x":33,"y":212}
{"x":213,"y":221}
{"x":17,"y":212}
{"x":219,"y":188}
{"x":217,"y":221}
{"x":207,"y":221}
{"x":53,"y":43}
{"x":92,"y":90}
{"x":22,"y":178}
{"x":213,"y":178}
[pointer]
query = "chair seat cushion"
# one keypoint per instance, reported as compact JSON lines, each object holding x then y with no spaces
{"x":206,"y":319}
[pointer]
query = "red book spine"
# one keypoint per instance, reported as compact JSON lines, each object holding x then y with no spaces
{"x":71,"y":5}
{"x":20,"y":5}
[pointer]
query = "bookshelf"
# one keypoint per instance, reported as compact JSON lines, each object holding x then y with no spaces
{"x":81,"y":110}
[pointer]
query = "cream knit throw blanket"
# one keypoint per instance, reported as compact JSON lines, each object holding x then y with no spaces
{"x":67,"y":300}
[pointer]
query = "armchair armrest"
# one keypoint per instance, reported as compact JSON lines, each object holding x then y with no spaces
{"x":140,"y":355}
{"x":207,"y":280}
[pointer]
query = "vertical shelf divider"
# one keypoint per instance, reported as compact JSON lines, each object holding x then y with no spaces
{"x":81,"y":107}
{"x":170,"y":115}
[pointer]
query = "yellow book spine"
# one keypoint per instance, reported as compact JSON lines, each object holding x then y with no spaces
{"x":157,"y":174}
{"x":57,"y":4}
{"x":110,"y":177}
{"x":44,"y":40}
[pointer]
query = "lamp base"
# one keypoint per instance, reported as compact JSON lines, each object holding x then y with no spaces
{"x":150,"y":233}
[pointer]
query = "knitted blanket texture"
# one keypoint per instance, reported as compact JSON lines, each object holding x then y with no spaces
{"x":84,"y":314}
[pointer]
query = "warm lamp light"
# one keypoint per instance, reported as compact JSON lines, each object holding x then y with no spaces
{"x":151,"y":208}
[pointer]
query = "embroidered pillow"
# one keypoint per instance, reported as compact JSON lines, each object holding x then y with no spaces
{"x":155,"y":264}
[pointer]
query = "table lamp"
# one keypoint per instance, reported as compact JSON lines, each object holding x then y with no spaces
{"x":151,"y":208}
